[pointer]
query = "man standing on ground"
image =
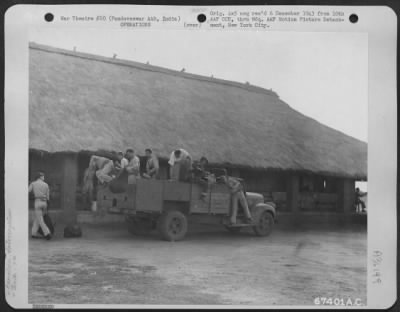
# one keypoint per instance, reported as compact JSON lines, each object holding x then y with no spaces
{"x":152,"y":165}
{"x":359,"y":201}
{"x":41,"y":193}
{"x":133,"y":167}
{"x":180,"y":163}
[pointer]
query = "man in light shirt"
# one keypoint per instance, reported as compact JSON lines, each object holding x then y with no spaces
{"x":180,"y":163}
{"x":102,"y":168}
{"x":133,"y":167}
{"x":123,"y":162}
{"x":41,"y":193}
{"x":152,"y":165}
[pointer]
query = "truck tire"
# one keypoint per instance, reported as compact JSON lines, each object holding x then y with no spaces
{"x":137,"y":227}
{"x":172,"y":225}
{"x":264,"y":221}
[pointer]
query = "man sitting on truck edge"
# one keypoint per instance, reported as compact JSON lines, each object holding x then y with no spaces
{"x":152,"y":165}
{"x":180,"y":163}
{"x":133,"y":167}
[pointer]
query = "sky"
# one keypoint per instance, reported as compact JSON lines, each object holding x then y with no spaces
{"x":322,"y":75}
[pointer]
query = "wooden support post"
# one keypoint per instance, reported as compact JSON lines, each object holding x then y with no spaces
{"x":346,"y":196}
{"x":293,"y":193}
{"x":68,"y":188}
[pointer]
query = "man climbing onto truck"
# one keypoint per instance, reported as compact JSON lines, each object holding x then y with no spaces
{"x":237,"y":196}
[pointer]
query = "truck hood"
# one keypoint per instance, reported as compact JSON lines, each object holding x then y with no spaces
{"x":254,"y":198}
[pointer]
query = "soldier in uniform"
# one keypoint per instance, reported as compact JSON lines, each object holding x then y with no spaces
{"x":41,"y":193}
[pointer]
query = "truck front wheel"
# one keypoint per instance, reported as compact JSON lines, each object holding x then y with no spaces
{"x":264,"y":222}
{"x":172,"y":225}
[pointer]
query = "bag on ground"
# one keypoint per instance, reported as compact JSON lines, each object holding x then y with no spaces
{"x":73,"y":230}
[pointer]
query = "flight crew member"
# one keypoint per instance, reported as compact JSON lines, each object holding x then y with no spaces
{"x":41,"y":193}
{"x":180,"y":163}
{"x":237,"y":195}
{"x":152,"y":165}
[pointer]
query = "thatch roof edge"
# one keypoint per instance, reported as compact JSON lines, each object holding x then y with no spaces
{"x":152,"y":68}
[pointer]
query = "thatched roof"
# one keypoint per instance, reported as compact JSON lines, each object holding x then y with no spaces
{"x":81,"y":102}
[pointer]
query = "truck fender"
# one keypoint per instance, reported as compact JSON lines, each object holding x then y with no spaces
{"x":270,"y":207}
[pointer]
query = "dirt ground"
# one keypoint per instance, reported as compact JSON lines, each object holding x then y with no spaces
{"x":109,"y":265}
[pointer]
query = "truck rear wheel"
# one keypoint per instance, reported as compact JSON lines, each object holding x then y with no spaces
{"x":264,"y":222}
{"x":173,"y":225}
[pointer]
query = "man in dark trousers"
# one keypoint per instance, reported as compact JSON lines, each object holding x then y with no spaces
{"x":359,"y":201}
{"x":41,"y":192}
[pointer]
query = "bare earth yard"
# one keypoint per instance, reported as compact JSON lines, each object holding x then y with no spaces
{"x":109,"y":265}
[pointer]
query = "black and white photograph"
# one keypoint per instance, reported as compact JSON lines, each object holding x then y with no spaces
{"x":198,"y":165}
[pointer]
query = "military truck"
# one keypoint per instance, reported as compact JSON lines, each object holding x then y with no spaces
{"x":167,"y":205}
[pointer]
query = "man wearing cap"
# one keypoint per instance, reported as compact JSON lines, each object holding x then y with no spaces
{"x":41,"y":193}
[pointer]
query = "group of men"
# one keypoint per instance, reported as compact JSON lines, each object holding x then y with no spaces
{"x":181,"y":168}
